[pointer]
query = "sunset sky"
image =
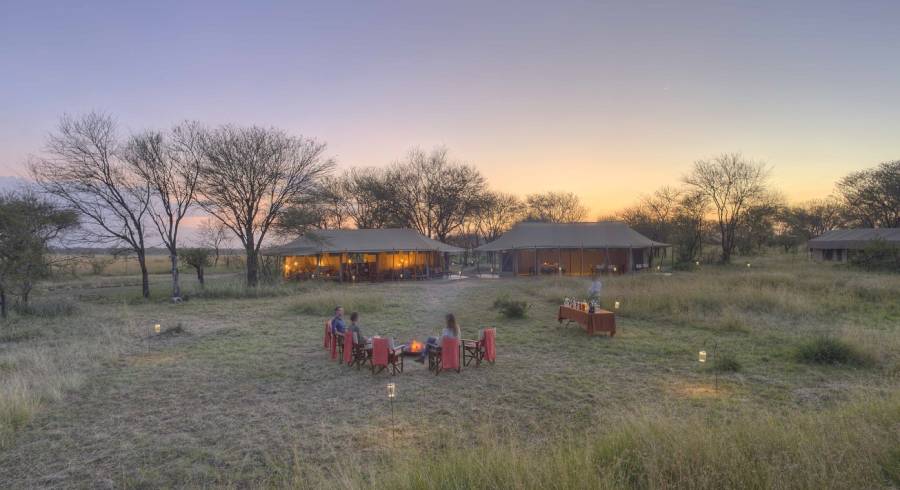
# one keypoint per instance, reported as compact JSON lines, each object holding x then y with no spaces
{"x":608,"y":100}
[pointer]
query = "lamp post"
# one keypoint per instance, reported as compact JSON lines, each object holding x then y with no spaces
{"x":391,"y":394}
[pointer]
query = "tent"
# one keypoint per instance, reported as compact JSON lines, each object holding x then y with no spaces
{"x":836,"y":245}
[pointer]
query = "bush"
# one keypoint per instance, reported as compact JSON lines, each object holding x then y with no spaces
{"x":47,"y":308}
{"x":511,"y":308}
{"x":726,"y":363}
{"x":827,"y":350}
{"x":879,"y":255}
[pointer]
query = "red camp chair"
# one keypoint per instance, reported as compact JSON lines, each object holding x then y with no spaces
{"x":337,"y":346}
{"x":384,"y":357}
{"x":347,"y":348}
{"x":483,"y":349}
{"x":327,"y":334}
{"x":447,"y":357}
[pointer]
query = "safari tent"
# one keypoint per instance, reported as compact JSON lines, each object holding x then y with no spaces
{"x":573,"y":248}
{"x":363,"y":255}
{"x":838,"y":245}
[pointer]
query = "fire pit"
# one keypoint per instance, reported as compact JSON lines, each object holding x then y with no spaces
{"x":413,"y":348}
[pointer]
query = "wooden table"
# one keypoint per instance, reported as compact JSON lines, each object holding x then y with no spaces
{"x":593,"y":323}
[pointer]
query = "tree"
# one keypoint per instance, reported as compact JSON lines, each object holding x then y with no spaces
{"x":368,"y":198}
{"x":28,"y":223}
{"x":689,"y":227}
{"x":757,"y":226}
{"x":554,"y":207}
{"x":654,"y":214}
{"x":433,"y":195}
{"x":498,"y":214}
{"x":872,"y":197}
{"x":808,"y":220}
{"x":198,"y":258}
{"x":169,"y":164}
{"x":84,"y":169}
{"x":213,"y":235}
{"x":249,"y":175}
{"x":731,"y":184}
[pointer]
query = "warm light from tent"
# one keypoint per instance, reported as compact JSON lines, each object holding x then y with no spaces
{"x":614,"y":268}
{"x":702,"y":356}
{"x":697,"y":262}
{"x":617,"y":305}
{"x":391,"y":391}
{"x":657,"y":267}
{"x":157,"y":328}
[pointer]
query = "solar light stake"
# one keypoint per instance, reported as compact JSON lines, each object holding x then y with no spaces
{"x":391,"y":394}
{"x":156,"y":328}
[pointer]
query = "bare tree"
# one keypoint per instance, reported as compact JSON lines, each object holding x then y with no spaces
{"x":83,"y":168}
{"x":499,"y":213}
{"x":555,"y":207}
{"x":170,"y":165}
{"x":731,"y":184}
{"x":654,"y":214}
{"x":250,"y":175}
{"x":368,"y":198}
{"x":213,"y":234}
{"x":434,"y":195}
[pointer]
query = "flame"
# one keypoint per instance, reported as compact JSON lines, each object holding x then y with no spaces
{"x":416,"y":346}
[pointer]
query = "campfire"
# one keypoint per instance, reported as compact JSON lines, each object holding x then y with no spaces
{"x":414,"y":347}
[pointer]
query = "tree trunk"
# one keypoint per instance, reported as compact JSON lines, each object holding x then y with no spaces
{"x":252,"y":268}
{"x":145,"y":279}
{"x":200,"y":276}
{"x":176,"y":285}
{"x":3,"y":310}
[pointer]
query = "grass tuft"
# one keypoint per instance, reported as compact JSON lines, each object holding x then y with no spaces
{"x":510,"y":308}
{"x":48,"y":308}
{"x":832,"y":351}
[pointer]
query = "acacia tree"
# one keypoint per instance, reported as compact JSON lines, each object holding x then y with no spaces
{"x":83,"y":167}
{"x":498,"y":214}
{"x":28,"y":223}
{"x":213,"y":234}
{"x":433,"y":195}
{"x":654,"y":214}
{"x":555,"y":207}
{"x":249,"y":175}
{"x":368,"y":198}
{"x":872,"y":196}
{"x":732,"y":185}
{"x":169,"y":164}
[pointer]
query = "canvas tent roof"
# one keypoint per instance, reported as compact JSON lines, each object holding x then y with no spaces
{"x":361,"y":241}
{"x":855,"y":238}
{"x":612,"y":234}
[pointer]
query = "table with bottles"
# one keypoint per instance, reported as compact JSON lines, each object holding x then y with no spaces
{"x":589,"y":315}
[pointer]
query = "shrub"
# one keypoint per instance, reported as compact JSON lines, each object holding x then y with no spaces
{"x":726,"y":363}
{"x":48,"y":308}
{"x":878,"y":255}
{"x":827,"y":350}
{"x":510,"y":308}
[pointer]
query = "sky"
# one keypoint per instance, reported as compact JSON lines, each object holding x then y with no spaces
{"x":609,"y":100}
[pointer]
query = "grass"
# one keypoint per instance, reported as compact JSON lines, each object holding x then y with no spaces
{"x":510,"y":308}
{"x":238,"y":391}
{"x":827,"y":350}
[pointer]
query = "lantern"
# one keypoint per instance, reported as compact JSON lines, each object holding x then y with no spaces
{"x":702,"y":356}
{"x":617,"y":305}
{"x":614,"y":268}
{"x":748,"y":265}
{"x":697,"y":262}
{"x":391,"y":391}
{"x":657,"y":268}
{"x":156,"y":328}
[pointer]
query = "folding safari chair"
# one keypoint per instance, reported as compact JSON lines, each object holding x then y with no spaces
{"x":347,"y":347}
{"x":384,"y":357}
{"x":327,"y":340}
{"x":447,"y":357}
{"x":356,"y":355}
{"x":483,"y":349}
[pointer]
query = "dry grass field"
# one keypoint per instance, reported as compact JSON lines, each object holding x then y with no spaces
{"x":238,"y":391}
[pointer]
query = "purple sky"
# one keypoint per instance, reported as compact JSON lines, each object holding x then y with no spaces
{"x":607,"y":100}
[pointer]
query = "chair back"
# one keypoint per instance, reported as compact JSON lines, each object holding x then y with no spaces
{"x":380,"y":350}
{"x":327,"y":334}
{"x":449,"y":353}
{"x":348,"y":346}
{"x":490,"y":344}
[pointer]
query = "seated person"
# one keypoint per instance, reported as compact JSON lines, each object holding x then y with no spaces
{"x":354,"y":327}
{"x":451,"y":330}
{"x":337,"y":323}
